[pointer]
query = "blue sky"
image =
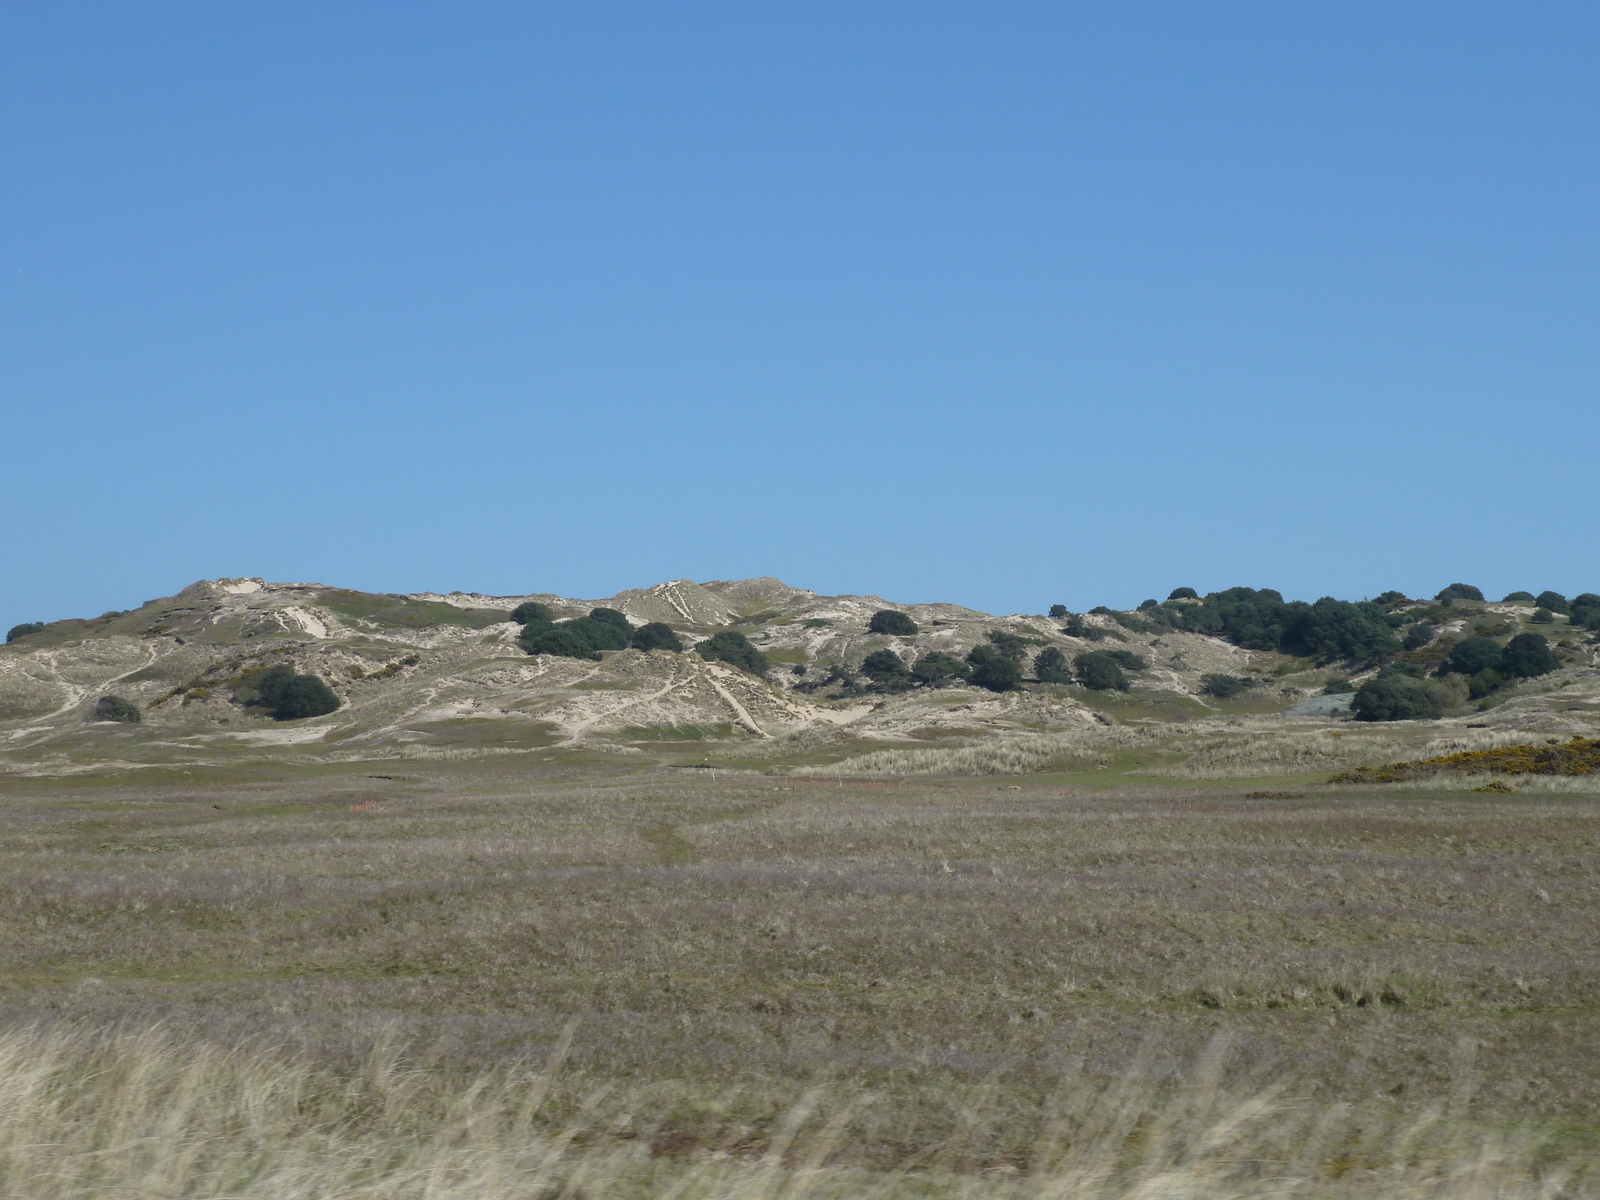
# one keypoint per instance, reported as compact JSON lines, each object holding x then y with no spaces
{"x":1001,"y":304}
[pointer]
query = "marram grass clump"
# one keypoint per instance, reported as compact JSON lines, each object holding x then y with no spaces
{"x":101,"y":1112}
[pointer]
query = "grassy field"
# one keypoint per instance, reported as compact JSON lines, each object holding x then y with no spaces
{"x":501,"y":978}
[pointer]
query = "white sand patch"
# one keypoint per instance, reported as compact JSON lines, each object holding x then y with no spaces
{"x":306,"y":621}
{"x":276,"y":737}
{"x":240,"y":587}
{"x":841,"y":716}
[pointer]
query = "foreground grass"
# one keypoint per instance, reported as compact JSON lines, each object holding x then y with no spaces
{"x":115,"y":1112}
{"x":917,"y":979}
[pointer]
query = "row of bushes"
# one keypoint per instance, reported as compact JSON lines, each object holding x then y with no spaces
{"x":1400,"y":692}
{"x":586,"y":637}
{"x":24,"y":630}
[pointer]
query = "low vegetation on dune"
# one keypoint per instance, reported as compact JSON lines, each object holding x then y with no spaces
{"x":1579,"y":756}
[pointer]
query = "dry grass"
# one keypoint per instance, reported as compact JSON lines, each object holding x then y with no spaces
{"x":1254,"y":754}
{"x":945,"y":967}
{"x":1001,"y":754}
{"x":125,"y":1112}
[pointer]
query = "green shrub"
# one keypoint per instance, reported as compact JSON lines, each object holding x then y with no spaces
{"x":1459,"y":591}
{"x":1008,"y":644}
{"x":1336,"y":630}
{"x":1390,"y":598}
{"x":938,"y":669}
{"x":1225,"y":687}
{"x":1527,"y":655}
{"x":1418,"y":636}
{"x":1100,"y":672}
{"x":887,"y":669}
{"x":1076,"y":626}
{"x":117,"y":708}
{"x":1050,"y":666}
{"x":1338,"y":687}
{"x":1100,"y":610}
{"x":1394,"y":696}
{"x":287,"y":696}
{"x":657,"y":636}
{"x":583,"y":637}
{"x":1586,"y":611}
{"x":561,"y":640}
{"x":1127,"y":660}
{"x":305,"y":696}
{"x":1554,"y":601}
{"x":24,"y":630}
{"x":1542,"y":616}
{"x":1147,"y":605}
{"x":732,"y":647}
{"x":1473,"y":655}
{"x":1058,"y":612}
{"x":1518,"y":598}
{"x":892,"y":621}
{"x":1183,"y":594}
{"x":611,"y":617}
{"x":993,"y":669}
{"x":532,"y":610}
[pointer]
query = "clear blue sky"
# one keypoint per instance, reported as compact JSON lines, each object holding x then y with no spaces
{"x":1002,"y":304}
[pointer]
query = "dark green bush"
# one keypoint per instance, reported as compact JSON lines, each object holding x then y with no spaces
{"x":1127,"y":660}
{"x":1338,"y":687}
{"x":1336,"y":630}
{"x":1076,"y":626}
{"x":892,"y":621}
{"x":305,"y":696}
{"x":583,"y":637}
{"x":1542,"y":616}
{"x":992,"y":669}
{"x":1224,"y":687}
{"x":1473,"y":655}
{"x":1394,"y":696}
{"x":1518,"y":598}
{"x":613,"y":618}
{"x":1389,"y":598}
{"x":1459,"y":591}
{"x":1100,"y":610}
{"x":1008,"y":644}
{"x":1147,"y":605}
{"x":1050,"y":666}
{"x":1100,"y":672}
{"x":266,"y":688}
{"x":1183,"y":594}
{"x":887,"y":669}
{"x":24,"y":630}
{"x":287,"y":696}
{"x":117,"y":708}
{"x":1418,"y":636}
{"x":1554,"y":601}
{"x":1484,"y":682}
{"x":532,"y":610}
{"x":1058,"y":612}
{"x":563,"y":640}
{"x":1586,"y":610}
{"x":732,"y":647}
{"x":1253,"y":619}
{"x":938,"y":669}
{"x":1527,"y":655}
{"x":657,"y":636}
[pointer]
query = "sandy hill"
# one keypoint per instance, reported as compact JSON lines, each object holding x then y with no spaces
{"x":443,"y":675}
